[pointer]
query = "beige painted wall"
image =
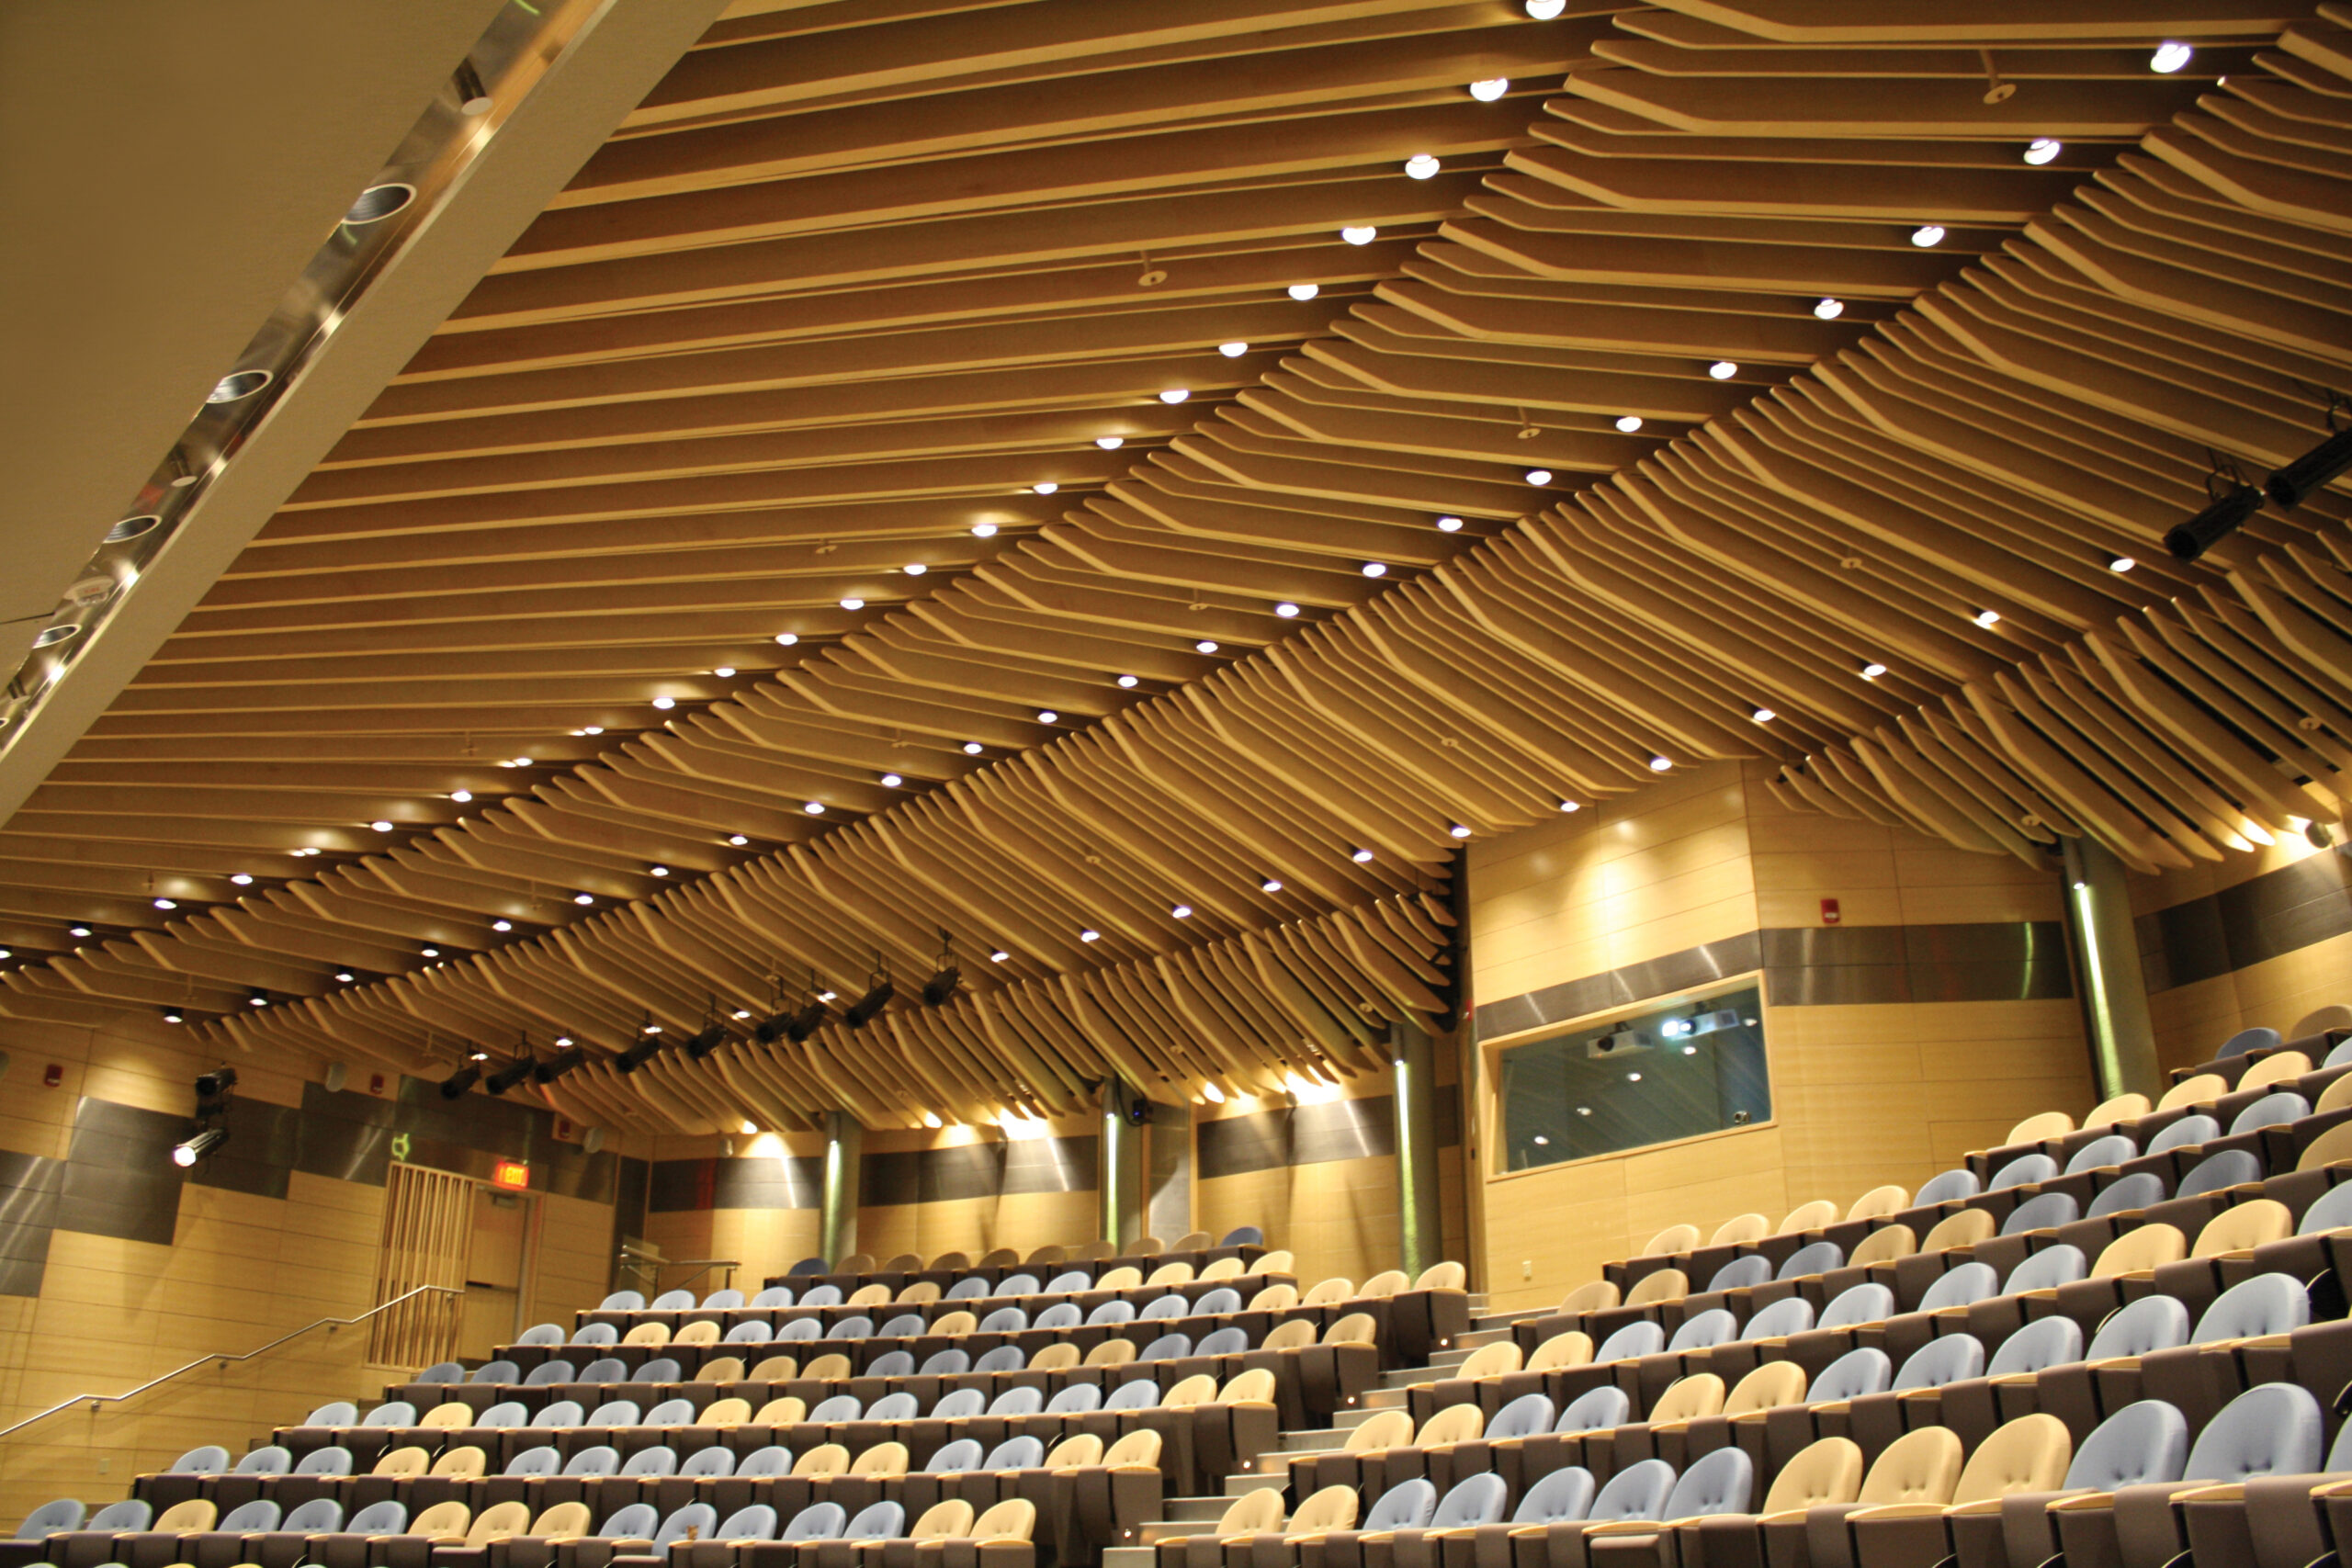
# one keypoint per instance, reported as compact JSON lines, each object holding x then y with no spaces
{"x":240,"y":1270}
{"x":1862,"y":1094}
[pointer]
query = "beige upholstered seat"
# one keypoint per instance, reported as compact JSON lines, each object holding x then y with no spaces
{"x":2137,"y":1251}
{"x":1964,"y":1227}
{"x":1140,"y":1450}
{"x":999,"y":1257}
{"x":725,"y":1413}
{"x":776,"y":1368}
{"x":1198,"y":1389}
{"x":497,"y":1522}
{"x":1921,"y":1466}
{"x":1773,"y":1384}
{"x":2276,"y":1068}
{"x":444,"y":1522}
{"x":1879,"y":1203}
{"x":2039,"y":1129}
{"x":1491,"y":1360}
{"x":1808,"y":1217}
{"x":1670,"y":1242}
{"x":1177,"y":1273}
{"x":1144,"y":1246}
{"x":1573,"y":1349}
{"x":1455,"y":1423}
{"x":1126,"y":1277}
{"x":869,"y":1296}
{"x":1741,"y":1230}
{"x":1054,"y":1357}
{"x":1386,"y":1283}
{"x":945,"y":1260}
{"x":1112,"y":1353}
{"x":2331,"y":1147}
{"x":955,"y":1323}
{"x":1330,"y":1293}
{"x":787,"y":1411}
{"x":831,"y":1367}
{"x":2243,"y":1228}
{"x":647,"y":1334}
{"x":1192,"y":1241}
{"x":1223,"y":1269}
{"x":2107,"y":1112}
{"x":403,"y":1461}
{"x":720,"y":1369}
{"x":1074,"y":1453}
{"x":1291,"y":1334}
{"x":1279,"y":1261}
{"x":449,"y":1417}
{"x":564,"y":1521}
{"x":919,"y":1292}
{"x":1824,"y":1473}
{"x":1884,"y":1244}
{"x":825,"y":1458}
{"x":1252,"y":1386}
{"x":1275,"y":1297}
{"x":1355,"y":1328}
{"x":1332,"y":1509}
{"x":2334,"y":1097}
{"x":1093,"y":1251}
{"x":1252,"y":1513}
{"x":1014,"y":1519}
{"x":702,"y":1331}
{"x":1593,"y":1295}
{"x":2029,"y":1454}
{"x":1661,"y":1285}
{"x":465,"y":1462}
{"x":948,"y":1521}
{"x":1446,"y":1275}
{"x":1687,"y":1399}
{"x":187,"y":1517}
{"x":883,"y":1459}
{"x":1382,"y":1429}
{"x":2335,"y":1015}
{"x":2202,"y":1090}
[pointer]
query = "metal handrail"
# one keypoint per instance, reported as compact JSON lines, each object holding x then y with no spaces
{"x":95,"y":1400}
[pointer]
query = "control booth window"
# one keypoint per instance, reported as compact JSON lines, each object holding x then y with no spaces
{"x":1662,"y":1071}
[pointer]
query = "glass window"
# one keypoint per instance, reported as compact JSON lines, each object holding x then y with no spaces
{"x":1625,"y":1080}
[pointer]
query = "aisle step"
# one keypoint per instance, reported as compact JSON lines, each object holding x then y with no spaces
{"x":1129,"y":1557}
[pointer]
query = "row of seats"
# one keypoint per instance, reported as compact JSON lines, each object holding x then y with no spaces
{"x":1091,"y":1250}
{"x":971,"y":1287}
{"x":949,"y":1321}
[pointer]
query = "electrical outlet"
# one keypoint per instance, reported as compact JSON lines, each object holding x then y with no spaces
{"x":1527,"y":1268}
{"x":106,"y":1467}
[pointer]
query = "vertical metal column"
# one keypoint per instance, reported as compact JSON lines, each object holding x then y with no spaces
{"x":844,"y":1185}
{"x":1420,"y":1236}
{"x":1119,"y":1175}
{"x":2107,"y":967}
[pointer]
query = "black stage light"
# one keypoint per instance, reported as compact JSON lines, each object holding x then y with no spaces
{"x":2307,"y":474}
{"x":212,"y":1090}
{"x":703,"y":1044}
{"x":941,"y":984}
{"x":464,"y":1079}
{"x":190,"y":1150}
{"x":647,"y":1047}
{"x":2233,"y":501}
{"x":562,"y":1062}
{"x":506,"y":1077}
{"x":876,"y":997}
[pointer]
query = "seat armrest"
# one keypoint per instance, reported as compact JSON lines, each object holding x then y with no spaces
{"x":2082,"y":1500}
{"x":1898,"y":1511}
{"x":2228,"y":1492}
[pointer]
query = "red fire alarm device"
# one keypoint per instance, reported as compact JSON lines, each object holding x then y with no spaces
{"x":511,"y":1173}
{"x":52,"y":1075}
{"x":1829,"y":911}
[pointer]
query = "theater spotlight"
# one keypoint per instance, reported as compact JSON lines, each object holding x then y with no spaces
{"x":558,"y":1064}
{"x":212,"y":1090}
{"x":877,"y":996}
{"x":2233,"y":501}
{"x":941,"y":986}
{"x":187,"y":1152}
{"x":464,"y":1079}
{"x":2299,"y":481}
{"x":506,"y":1077}
{"x":808,"y":1021}
{"x":713,"y":1035}
{"x":646,"y":1047}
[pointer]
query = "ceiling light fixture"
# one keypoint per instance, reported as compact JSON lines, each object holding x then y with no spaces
{"x":1492,"y":87}
{"x":1233,"y":350}
{"x":166,"y":904}
{"x":736,"y":839}
{"x":2042,"y":149}
{"x":1986,"y":618}
{"x":381,"y":827}
{"x":891,"y":781}
{"x":1449,"y":525}
{"x":1090,"y":934}
{"x":1207,"y":645}
{"x":1175,"y":394}
{"x":1629,"y":422}
{"x":1108,"y":444}
{"x":1927,"y":236}
{"x":979,"y":530}
{"x":583,"y":899}
{"x":344,"y":976}
{"x":2120,"y":563}
{"x":1126,"y":682}
{"x":1459,"y":830}
{"x":1360,"y":233}
{"x":1270,"y":885}
{"x":1570,"y":805}
{"x":1182,"y":911}
{"x":502,"y":927}
{"x":912,"y":569}
{"x":727,"y":672}
{"x":174,"y":1015}
{"x":77,"y":931}
{"x":1538,"y":477}
{"x":853,"y":603}
{"x":1287,"y":609}
{"x":1045,"y":487}
{"x":1873,"y":670}
{"x":998,"y":956}
{"x":1660,"y":764}
{"x":1723,"y":369}
{"x":1421,"y":166}
{"x":665,"y":704}
{"x":242,"y":879}
{"x":661,"y":871}
{"x":1375,"y":569}
{"x":973,"y":748}
{"x":1303,"y":291}
{"x":592,"y":729}
{"x":430,"y":951}
{"x":1829,"y":310}
{"x":813,"y":807}
{"x":2170,"y":56}
{"x":462,"y":795}
{"x":1544,"y":10}
{"x":1362,"y":857}
{"x":1763,"y":715}
{"x":789,"y":640}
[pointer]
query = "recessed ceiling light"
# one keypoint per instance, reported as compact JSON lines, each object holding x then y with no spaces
{"x":1629,"y":422}
{"x":522,"y":761}
{"x":1090,"y":934}
{"x":826,"y":996}
{"x":166,"y":904}
{"x":1360,"y":856}
{"x":972,"y":748}
{"x":584,"y":898}
{"x":1449,"y":525}
{"x":1723,"y":369}
{"x":1175,"y":394}
{"x":430,"y":951}
{"x":1872,"y":670}
{"x":984,"y":530}
{"x":853,"y":603}
{"x":1660,"y":764}
{"x":1108,"y":444}
{"x":344,"y":976}
{"x":1490,"y":89}
{"x":1539,"y":476}
{"x":813,"y":807}
{"x":665,"y":704}
{"x":1375,"y":569}
{"x":789,"y":640}
{"x":725,"y":671}
{"x":78,"y":930}
{"x":1360,"y":233}
{"x":1287,"y":609}
{"x":130,"y":528}
{"x":1271,"y":884}
{"x":242,"y":879}
{"x":1829,"y":309}
{"x":736,"y":839}
{"x":1207,"y":645}
{"x":1927,"y":236}
{"x":1233,"y":350}
{"x":1763,"y":715}
{"x":1544,"y":10}
{"x":659,"y":870}
{"x":891,"y":781}
{"x":233,"y":388}
{"x":1421,"y":165}
{"x":1047,"y":715}
{"x":1986,"y":617}
{"x":463,"y":795}
{"x":381,"y":827}
{"x":1570,"y":805}
{"x":2120,"y":563}
{"x":1182,"y":911}
{"x":2042,"y":149}
{"x":1305,"y":290}
{"x":1459,"y":830}
{"x":2169,"y":57}
{"x":502,"y":927}
{"x":915,"y":568}
{"x":998,"y":956}
{"x":1045,"y":487}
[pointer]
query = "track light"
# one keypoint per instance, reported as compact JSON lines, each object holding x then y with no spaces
{"x":641,"y":1051}
{"x":190,"y":1150}
{"x":877,"y":996}
{"x":1270,"y":885}
{"x":212,"y":1090}
{"x":2297,"y":482}
{"x":807,"y":1022}
{"x":256,"y":999}
{"x":941,"y":986}
{"x":2232,"y":501}
{"x":1361,"y":857}
{"x":464,"y":1079}
{"x":712,"y":1037}
{"x":507,"y":1076}
{"x":560,"y":1064}
{"x":174,"y":1015}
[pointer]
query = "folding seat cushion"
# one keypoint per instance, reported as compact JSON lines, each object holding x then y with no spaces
{"x":2267,"y":1520}
{"x":1948,"y":1187}
{"x":1231,"y":1340}
{"x":891,"y":1364}
{"x":2222,"y":1168}
{"x":2125,"y":1195}
{"x":2274,"y":1429}
{"x":2101,"y":1153}
{"x":1940,"y":1361}
{"x":2245,"y":1040}
{"x":1790,"y":1315}
{"x":1140,"y":1394}
{"x":826,"y":1295}
{"x":952,"y":1459}
{"x":615,"y":1413}
{"x":1075,"y":1399}
{"x":595,"y":1334}
{"x":1018,"y":1401}
{"x":1167,"y":1306}
{"x":561,"y":1413}
{"x":1012,"y":1320}
{"x":1061,"y":1315}
{"x":1815,"y":1258}
{"x":661,"y":1368}
{"x":2044,"y":1212}
{"x":2027,"y":1455}
{"x":2046,"y":1271}
{"x":1111,"y":1353}
{"x":854,"y":1328}
{"x":549,"y":1372}
{"x":2026,"y":1170}
{"x":1638,"y":1493}
{"x":1741,"y":1273}
{"x":1714,"y":1326}
{"x":1116,"y":1310}
{"x":1004,"y":1358}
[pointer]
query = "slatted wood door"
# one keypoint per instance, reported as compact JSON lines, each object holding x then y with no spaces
{"x":428,"y":1224}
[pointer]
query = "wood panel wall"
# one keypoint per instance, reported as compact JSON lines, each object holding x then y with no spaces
{"x":1862,"y":1094}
